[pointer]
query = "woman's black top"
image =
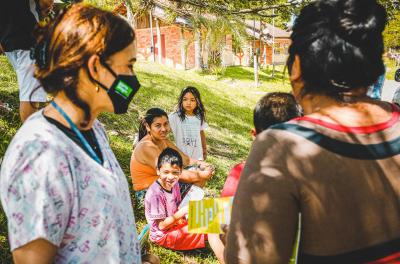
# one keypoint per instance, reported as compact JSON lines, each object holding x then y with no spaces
{"x":88,"y":134}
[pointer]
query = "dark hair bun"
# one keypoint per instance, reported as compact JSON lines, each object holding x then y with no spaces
{"x":360,"y":20}
{"x":340,"y":44}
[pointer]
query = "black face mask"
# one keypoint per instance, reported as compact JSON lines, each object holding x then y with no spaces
{"x":121,"y":91}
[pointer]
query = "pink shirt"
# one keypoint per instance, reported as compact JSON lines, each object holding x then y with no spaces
{"x":159,"y":204}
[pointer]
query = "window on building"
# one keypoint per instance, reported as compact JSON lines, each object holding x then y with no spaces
{"x":277,"y":49}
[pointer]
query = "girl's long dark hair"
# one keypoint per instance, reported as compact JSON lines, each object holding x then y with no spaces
{"x":199,"y":111}
{"x":148,"y":119}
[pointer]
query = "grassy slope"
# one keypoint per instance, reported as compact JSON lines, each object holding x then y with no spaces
{"x":390,"y":69}
{"x":229,"y":103}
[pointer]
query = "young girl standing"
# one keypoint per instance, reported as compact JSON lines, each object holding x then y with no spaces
{"x":188,"y":124}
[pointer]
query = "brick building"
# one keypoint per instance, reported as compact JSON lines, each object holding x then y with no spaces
{"x":271,"y":43}
{"x":173,"y":42}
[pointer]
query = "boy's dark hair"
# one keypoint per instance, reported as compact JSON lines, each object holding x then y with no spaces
{"x":199,"y":111}
{"x":275,"y":108}
{"x":171,"y":156}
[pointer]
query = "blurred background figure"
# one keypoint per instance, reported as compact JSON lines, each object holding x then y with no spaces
{"x":18,"y":19}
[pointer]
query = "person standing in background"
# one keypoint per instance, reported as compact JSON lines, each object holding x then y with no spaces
{"x":18,"y":19}
{"x":375,"y":91}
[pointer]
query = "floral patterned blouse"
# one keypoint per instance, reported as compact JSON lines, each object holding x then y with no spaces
{"x":51,"y":189}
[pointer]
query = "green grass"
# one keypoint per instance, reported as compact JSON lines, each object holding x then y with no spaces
{"x":390,"y":68}
{"x":229,"y":101}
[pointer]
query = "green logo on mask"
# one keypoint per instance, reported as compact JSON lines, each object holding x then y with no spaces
{"x":123,"y":89}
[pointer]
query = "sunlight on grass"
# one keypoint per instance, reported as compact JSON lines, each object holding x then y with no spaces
{"x":390,"y":69}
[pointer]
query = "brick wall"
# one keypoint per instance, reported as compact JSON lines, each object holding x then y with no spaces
{"x":143,"y":43}
{"x":172,"y":36}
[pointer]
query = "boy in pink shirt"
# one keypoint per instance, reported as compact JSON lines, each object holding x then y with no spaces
{"x":168,"y":225}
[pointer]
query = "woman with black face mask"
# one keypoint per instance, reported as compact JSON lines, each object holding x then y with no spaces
{"x":65,"y":195}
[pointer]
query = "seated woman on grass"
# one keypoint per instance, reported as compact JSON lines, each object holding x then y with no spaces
{"x":168,"y":225}
{"x":153,"y":139}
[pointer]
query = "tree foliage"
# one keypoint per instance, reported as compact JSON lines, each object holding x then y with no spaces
{"x":392,"y":32}
{"x":106,"y":4}
{"x":226,"y":8}
{"x":225,"y":16}
{"x":243,"y":8}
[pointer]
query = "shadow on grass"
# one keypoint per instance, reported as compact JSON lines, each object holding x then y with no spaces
{"x":162,"y":91}
{"x":9,"y":123}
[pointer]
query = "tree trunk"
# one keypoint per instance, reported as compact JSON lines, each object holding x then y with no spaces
{"x":197,"y":49}
{"x":247,"y":54}
{"x":152,"y":48}
{"x":206,"y":53}
{"x":256,"y":81}
{"x":273,"y":43}
{"x":159,"y":41}
{"x":183,"y":49}
{"x":129,"y":14}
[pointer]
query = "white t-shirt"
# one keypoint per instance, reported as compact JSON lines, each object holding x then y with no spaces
{"x":187,"y":134}
{"x":51,"y":189}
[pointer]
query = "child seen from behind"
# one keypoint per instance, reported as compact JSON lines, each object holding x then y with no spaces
{"x":271,"y":109}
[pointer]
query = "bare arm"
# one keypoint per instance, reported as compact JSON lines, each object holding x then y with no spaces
{"x":197,"y":177}
{"x":203,"y":144}
{"x":186,"y":159}
{"x":147,"y":153}
{"x":172,"y":220}
{"x":39,"y":251}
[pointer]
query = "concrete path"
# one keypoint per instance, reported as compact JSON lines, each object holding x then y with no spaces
{"x":389,"y":88}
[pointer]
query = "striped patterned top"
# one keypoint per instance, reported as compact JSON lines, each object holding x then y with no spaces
{"x":345,"y":182}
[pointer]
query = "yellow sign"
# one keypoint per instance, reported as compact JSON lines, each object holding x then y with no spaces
{"x":207,"y":215}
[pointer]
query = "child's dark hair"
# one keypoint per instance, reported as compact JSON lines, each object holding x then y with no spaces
{"x":170,"y":156}
{"x":148,"y":119}
{"x":340,"y":45}
{"x":199,"y":111}
{"x":275,"y":108}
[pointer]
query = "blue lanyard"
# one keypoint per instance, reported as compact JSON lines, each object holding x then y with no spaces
{"x":77,"y":132}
